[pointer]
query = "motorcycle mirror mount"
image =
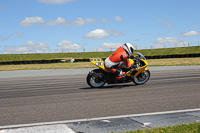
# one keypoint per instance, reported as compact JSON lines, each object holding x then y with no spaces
{"x":141,"y":56}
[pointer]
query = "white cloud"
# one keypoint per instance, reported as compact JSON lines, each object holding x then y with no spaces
{"x":162,"y":34}
{"x":104,"y":21}
{"x":29,"y":43}
{"x":9,"y":50}
{"x":55,"y":1}
{"x":116,"y":45}
{"x":29,"y":21}
{"x":118,"y":18}
{"x":190,"y":33}
{"x":165,"y":23}
{"x":97,"y":50}
{"x":79,"y":22}
{"x":5,"y":38}
{"x":100,"y":34}
{"x":19,"y":34}
{"x":172,"y":41}
{"x":91,"y":20}
{"x":160,"y":20}
{"x":158,"y":45}
{"x":68,"y":45}
{"x":115,"y":33}
{"x":97,"y":34}
{"x":28,"y":47}
{"x":58,"y":21}
{"x":41,"y":46}
{"x":22,"y":49}
{"x":35,"y":47}
{"x":12,"y":50}
{"x":167,"y":40}
{"x":111,"y":45}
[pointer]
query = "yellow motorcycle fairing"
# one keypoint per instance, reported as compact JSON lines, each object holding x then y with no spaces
{"x":99,"y":63}
{"x":139,"y":70}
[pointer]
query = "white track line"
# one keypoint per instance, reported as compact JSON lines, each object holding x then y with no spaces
{"x":99,"y":118}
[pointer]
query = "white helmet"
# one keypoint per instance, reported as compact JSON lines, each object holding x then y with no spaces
{"x":128,"y":47}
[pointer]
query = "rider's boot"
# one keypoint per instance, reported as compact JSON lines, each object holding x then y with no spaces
{"x":121,"y":76}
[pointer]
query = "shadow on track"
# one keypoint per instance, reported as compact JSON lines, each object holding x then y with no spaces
{"x":117,"y":86}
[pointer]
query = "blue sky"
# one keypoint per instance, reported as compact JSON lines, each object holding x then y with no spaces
{"x":43,"y":26}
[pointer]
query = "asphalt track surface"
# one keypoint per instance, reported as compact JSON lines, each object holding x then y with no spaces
{"x":58,"y":97}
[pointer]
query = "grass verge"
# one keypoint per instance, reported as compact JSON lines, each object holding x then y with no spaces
{"x":182,"y":128}
{"x":174,"y":62}
{"x":86,"y":55}
{"x":76,"y":65}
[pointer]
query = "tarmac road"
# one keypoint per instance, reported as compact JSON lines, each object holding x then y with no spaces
{"x":57,"y":97}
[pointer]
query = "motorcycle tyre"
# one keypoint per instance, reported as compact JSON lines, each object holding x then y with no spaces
{"x":146,"y":79}
{"x":90,"y":76}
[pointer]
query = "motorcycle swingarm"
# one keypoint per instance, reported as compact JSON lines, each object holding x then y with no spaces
{"x":94,"y":74}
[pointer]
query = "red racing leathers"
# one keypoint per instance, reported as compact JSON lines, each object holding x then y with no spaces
{"x":116,"y":59}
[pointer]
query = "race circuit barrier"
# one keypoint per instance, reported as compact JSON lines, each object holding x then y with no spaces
{"x":173,"y":56}
{"x":88,"y":60}
{"x":32,"y":62}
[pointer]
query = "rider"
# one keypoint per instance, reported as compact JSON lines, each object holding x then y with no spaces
{"x":121,"y":55}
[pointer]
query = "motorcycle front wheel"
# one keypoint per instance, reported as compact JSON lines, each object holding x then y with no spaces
{"x":95,"y":82}
{"x":142,"y":78}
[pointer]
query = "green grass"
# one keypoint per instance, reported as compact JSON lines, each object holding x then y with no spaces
{"x":47,"y":56}
{"x":182,"y":128}
{"x":77,"y":65}
{"x":169,"y":51}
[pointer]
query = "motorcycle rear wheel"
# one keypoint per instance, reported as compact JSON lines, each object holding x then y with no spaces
{"x":142,"y":78}
{"x":95,"y":82}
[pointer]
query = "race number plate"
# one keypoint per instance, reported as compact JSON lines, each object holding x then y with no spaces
{"x":99,"y":63}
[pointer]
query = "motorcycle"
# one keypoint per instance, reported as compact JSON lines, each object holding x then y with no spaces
{"x":99,"y":77}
